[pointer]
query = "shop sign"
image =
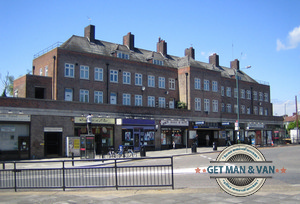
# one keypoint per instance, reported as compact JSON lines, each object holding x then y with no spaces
{"x":95,"y":120}
{"x":225,"y":123}
{"x":53,"y":129}
{"x":174,"y":123}
{"x":200,"y":123}
{"x":14,"y":117}
{"x":255,"y":126}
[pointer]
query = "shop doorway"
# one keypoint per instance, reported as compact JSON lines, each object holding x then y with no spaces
{"x":53,"y":144}
{"x":205,"y":138}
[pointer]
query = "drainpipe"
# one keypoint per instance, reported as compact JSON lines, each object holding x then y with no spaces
{"x":107,"y":83}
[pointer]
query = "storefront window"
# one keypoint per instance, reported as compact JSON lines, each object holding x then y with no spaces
{"x":168,"y":135}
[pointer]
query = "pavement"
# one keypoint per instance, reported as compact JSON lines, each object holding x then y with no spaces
{"x":283,"y":194}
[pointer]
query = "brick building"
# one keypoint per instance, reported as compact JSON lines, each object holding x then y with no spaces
{"x":138,"y":97}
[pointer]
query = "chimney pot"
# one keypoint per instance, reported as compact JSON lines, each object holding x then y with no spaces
{"x":190,"y":52}
{"x":162,"y":47}
{"x":214,"y":59}
{"x":128,"y":40}
{"x":235,"y":64}
{"x":89,"y":32}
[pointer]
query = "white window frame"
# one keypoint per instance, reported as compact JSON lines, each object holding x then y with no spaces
{"x":266,"y":96}
{"x":197,"y":104}
{"x":138,"y":79}
{"x":98,"y":75}
{"x":215,"y":106}
{"x":126,"y":78}
{"x":214,"y":86}
{"x":261,"y":96}
{"x":69,"y":70}
{"x":151,"y":81}
{"x":222,"y":91}
{"x":123,"y":55}
{"x":41,"y":71}
{"x":228,"y":108}
{"x":228,"y":91}
{"x":113,"y":76}
{"x":235,"y":92}
{"x":126,"y":99}
{"x":243,"y":93}
{"x":206,"y":85}
{"x":138,"y":100}
{"x":161,"y":82}
{"x":197,"y":83}
{"x":98,"y":96}
{"x":68,"y":94}
{"x":261,"y":110}
{"x":161,"y":102}
{"x":172,"y":104}
{"x":206,"y":104}
{"x":113,"y":98}
{"x":46,"y":70}
{"x":223,"y":109}
{"x":249,"y":94}
{"x":158,"y":62}
{"x":84,"y":72}
{"x":171,"y":83}
{"x":151,"y":101}
{"x":243,"y":109}
{"x":84,"y":95}
{"x":255,"y":95}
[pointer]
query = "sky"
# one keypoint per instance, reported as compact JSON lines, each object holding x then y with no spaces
{"x":264,"y":34}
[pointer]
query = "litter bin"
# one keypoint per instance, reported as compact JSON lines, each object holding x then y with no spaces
{"x":194,"y":148}
{"x":143,"y":151}
{"x":215,"y":146}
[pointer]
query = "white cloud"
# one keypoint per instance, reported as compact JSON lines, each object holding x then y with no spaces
{"x":293,"y":40}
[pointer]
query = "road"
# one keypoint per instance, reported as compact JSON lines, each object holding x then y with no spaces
{"x":190,"y":187}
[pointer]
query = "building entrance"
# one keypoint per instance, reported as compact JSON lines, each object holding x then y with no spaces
{"x":53,"y":144}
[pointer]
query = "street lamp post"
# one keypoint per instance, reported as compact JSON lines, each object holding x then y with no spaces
{"x":237,"y":124}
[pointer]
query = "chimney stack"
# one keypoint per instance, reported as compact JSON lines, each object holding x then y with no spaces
{"x":89,"y":32}
{"x":162,"y":47}
{"x":128,"y":40}
{"x":214,"y":59}
{"x":190,"y":52}
{"x":235,"y":64}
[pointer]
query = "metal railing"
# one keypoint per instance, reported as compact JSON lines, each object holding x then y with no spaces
{"x":51,"y":47}
{"x":100,"y":173}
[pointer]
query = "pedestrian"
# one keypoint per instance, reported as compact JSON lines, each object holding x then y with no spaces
{"x":207,"y":140}
{"x":173,"y":145}
{"x":228,"y":143}
{"x":89,"y":123}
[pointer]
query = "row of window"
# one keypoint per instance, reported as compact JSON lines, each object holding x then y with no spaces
{"x":161,"y":103}
{"x":114,"y":76}
{"x":244,"y":94}
{"x":228,"y":108}
{"x":124,"y":55}
{"x":126,"y":100}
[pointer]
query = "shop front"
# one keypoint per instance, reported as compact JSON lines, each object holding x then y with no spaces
{"x":137,"y":133}
{"x":173,"y":133}
{"x":208,"y":132}
{"x":101,"y":128}
{"x":14,"y":136}
{"x":255,"y":133}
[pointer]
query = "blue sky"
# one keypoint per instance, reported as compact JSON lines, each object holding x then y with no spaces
{"x":262,"y":33}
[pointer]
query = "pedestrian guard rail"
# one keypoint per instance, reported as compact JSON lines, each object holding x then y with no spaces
{"x":96,"y":173}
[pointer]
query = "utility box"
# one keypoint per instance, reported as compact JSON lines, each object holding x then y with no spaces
{"x":87,"y":147}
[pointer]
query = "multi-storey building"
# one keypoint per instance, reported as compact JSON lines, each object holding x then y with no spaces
{"x":138,"y":97}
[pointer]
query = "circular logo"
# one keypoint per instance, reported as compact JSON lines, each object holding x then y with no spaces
{"x":234,"y":183}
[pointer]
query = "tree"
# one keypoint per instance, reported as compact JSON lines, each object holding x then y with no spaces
{"x":8,"y":83}
{"x":292,"y":125}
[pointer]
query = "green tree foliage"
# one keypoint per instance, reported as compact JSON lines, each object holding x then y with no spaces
{"x":292,"y":125}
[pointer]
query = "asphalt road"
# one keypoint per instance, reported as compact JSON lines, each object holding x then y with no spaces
{"x":190,"y":187}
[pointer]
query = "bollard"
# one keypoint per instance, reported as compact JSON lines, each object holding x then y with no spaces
{"x":72,"y":158}
{"x":215,"y":148}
